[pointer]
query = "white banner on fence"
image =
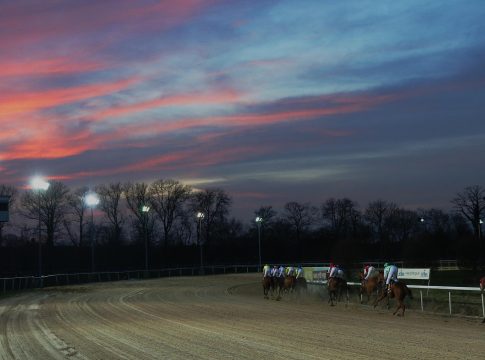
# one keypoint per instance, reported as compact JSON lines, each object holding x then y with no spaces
{"x":414,"y":274}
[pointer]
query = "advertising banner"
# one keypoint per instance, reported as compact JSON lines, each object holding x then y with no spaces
{"x":414,"y":274}
{"x":316,"y":274}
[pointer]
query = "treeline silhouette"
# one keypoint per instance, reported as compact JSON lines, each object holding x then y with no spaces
{"x":163,"y":215}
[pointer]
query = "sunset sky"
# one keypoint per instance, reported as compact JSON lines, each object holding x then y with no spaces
{"x":273,"y":101}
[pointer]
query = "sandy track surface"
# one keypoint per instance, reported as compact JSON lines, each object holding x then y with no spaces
{"x":218,"y":317}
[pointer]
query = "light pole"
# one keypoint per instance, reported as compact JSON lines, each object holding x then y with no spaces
{"x":259,"y":220}
{"x":145,"y":209}
{"x":200,"y":217}
{"x":39,"y":184}
{"x":480,"y":222}
{"x":92,"y":200}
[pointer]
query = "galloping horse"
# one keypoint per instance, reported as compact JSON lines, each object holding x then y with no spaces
{"x":289,"y":283}
{"x":336,"y":285}
{"x":399,"y":290}
{"x":370,"y":285}
{"x":266,"y":286}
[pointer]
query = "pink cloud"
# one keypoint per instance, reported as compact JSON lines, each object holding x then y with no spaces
{"x":46,"y":66}
{"x":210,"y":97}
{"x":16,"y":102}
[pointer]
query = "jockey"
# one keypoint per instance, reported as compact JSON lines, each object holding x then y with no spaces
{"x":370,"y":272}
{"x":299,"y":272}
{"x":390,"y":273}
{"x":290,"y":271}
{"x":281,"y":271}
{"x":340,"y":273}
{"x":266,"y":271}
{"x":274,"y":271}
{"x":332,"y":270}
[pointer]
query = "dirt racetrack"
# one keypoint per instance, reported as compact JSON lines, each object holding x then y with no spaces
{"x":218,"y":317}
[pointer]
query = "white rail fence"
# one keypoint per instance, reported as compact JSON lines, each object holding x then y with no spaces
{"x":31,"y":282}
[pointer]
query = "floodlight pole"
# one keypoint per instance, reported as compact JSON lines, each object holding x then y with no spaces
{"x":145,"y":209}
{"x":258,"y":222}
{"x":92,"y":240}
{"x":39,"y":238}
{"x":200,"y":216}
{"x":38,"y":184}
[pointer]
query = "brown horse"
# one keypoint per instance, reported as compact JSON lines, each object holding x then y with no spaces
{"x":266,"y":286}
{"x":289,"y":283}
{"x":369,"y":286}
{"x":278,"y":285}
{"x":399,"y":290}
{"x":335,"y":287}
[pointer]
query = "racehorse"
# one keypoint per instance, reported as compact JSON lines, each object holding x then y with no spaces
{"x":399,"y":290}
{"x":370,"y":285}
{"x":289,"y":283}
{"x":336,"y":285}
{"x":278,"y":285}
{"x":266,"y":286}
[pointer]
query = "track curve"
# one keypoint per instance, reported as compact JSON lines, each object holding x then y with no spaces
{"x":217,"y":317}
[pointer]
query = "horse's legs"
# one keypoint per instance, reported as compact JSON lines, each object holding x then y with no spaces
{"x":379,"y":298}
{"x":331,"y":295}
{"x":400,"y":306}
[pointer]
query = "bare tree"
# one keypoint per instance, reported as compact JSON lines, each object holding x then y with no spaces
{"x":168,"y":197}
{"x":341,"y":215}
{"x":184,"y":228}
{"x":137,"y":197}
{"x":11,"y":192}
{"x":110,"y":199}
{"x":50,"y":205}
{"x":377,"y":215}
{"x":299,"y":216}
{"x":214,"y":204}
{"x":76,"y":207}
{"x":402,"y":223}
{"x":471,"y":204}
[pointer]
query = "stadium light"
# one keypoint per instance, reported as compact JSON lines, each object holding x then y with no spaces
{"x":259,"y":220}
{"x":92,"y":200}
{"x":145,"y":209}
{"x":39,"y":184}
{"x":200,"y":216}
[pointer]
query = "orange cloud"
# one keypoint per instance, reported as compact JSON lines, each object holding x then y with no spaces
{"x":20,"y":102}
{"x":50,"y":66}
{"x":216,"y":97}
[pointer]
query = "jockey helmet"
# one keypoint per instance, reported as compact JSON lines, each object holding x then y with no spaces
{"x":386,"y":264}
{"x":331,"y":265}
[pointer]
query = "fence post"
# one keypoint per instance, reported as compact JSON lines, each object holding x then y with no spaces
{"x":449,"y":300}
{"x":4,"y":285}
{"x":483,"y":307}
{"x":421,"y":292}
